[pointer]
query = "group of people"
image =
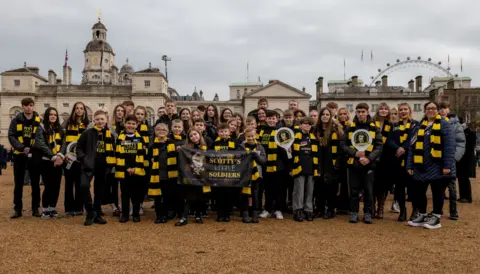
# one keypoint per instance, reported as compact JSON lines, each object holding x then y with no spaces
{"x":323,"y":173}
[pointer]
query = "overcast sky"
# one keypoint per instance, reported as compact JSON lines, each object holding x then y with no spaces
{"x":211,"y":41}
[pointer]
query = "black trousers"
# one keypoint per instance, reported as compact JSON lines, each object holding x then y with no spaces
{"x":403,"y":181}
{"x":73,"y":201}
{"x":289,"y":189}
{"x":23,"y":163}
{"x":86,"y":177}
{"x":132,"y":190}
{"x":361,"y":179}
{"x":110,"y":193}
{"x":464,"y":186}
{"x":167,"y":202}
{"x":194,"y":200}
{"x":438,"y":194}
{"x":52,"y":177}
{"x":275,"y":190}
{"x":343,"y":195}
{"x":256,"y":199}
{"x":225,"y":197}
{"x":326,"y":189}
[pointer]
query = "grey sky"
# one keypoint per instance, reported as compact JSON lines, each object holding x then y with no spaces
{"x":210,"y":41}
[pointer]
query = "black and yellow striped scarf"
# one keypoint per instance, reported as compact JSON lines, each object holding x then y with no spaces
{"x":120,"y":167}
{"x":255,"y":173}
{"x":297,"y":168}
{"x":373,"y":134}
{"x":119,"y":127}
{"x":385,"y":130}
{"x":272,"y":151}
{"x":175,"y":137}
{"x":334,"y":144}
{"x":73,"y":132}
{"x":54,"y":141}
{"x":435,"y":140}
{"x":224,"y":144}
{"x":108,"y":143}
{"x":344,"y":124}
{"x":19,"y":133}
{"x":172,"y":168}
{"x":144,"y":130}
{"x":404,"y":130}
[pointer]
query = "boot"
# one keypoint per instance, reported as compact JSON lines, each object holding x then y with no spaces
{"x":297,"y":216}
{"x":453,"y":211}
{"x":381,"y":207}
{"x":403,"y":215}
{"x":255,"y":217}
{"x":245,"y":217}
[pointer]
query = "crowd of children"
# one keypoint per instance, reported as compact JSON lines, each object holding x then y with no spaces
{"x":321,"y":175}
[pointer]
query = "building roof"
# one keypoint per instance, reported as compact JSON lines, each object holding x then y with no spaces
{"x":246,"y":84}
{"x":464,"y":78}
{"x":98,"y":45}
{"x":32,"y":70}
{"x":275,"y":82}
{"x":99,"y":25}
{"x":338,"y":82}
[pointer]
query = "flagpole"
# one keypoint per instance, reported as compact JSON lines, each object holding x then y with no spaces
{"x":344,"y":70}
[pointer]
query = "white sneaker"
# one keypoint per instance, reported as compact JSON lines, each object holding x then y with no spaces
{"x":131,"y":211}
{"x":395,"y":207}
{"x":278,"y":215}
{"x":140,"y":212}
{"x":265,"y":214}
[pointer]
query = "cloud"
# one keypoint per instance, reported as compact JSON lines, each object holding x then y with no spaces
{"x":211,"y":41}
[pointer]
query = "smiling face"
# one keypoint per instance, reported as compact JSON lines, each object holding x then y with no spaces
{"x":298,"y":116}
{"x":161,"y":131}
{"x":293,"y":105}
{"x":232,"y":126}
{"x":261,"y":115}
{"x":250,"y":137}
{"x":100,"y":120}
{"x":79,"y":110}
{"x":130,"y":126}
{"x":403,"y":111}
{"x":431,"y":111}
{"x":177,"y":128}
{"x":140,"y":114}
{"x":194,"y":137}
{"x":185,"y":115}
{"x":272,"y":121}
{"x":119,"y":113}
{"x":224,"y":133}
{"x":343,"y":115}
{"x":196,"y":115}
{"x":325,"y":118}
{"x":227,"y":114}
{"x":161,"y":112}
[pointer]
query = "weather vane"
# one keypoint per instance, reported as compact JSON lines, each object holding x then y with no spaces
{"x":99,"y":13}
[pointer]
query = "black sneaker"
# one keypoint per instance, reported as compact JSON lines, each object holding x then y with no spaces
{"x":329,"y":215}
{"x":16,"y":214}
{"x":254,"y":217}
{"x":420,"y":220}
{"x":182,"y":222}
{"x":353,"y":218}
{"x":36,"y":213}
{"x":89,"y":219}
{"x":297,"y":216}
{"x":99,"y":220}
{"x":198,"y":220}
{"x":453,"y":215}
{"x":368,"y":218}
{"x":161,"y":220}
{"x":136,"y":219}
{"x":433,"y":222}
{"x":308,"y":216}
{"x":245,"y":217}
{"x":124,"y":218}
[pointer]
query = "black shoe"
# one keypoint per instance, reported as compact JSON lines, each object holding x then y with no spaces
{"x":101,"y":214}
{"x":124,"y":218}
{"x":433,"y":222}
{"x":329,"y":215}
{"x":402,"y":217}
{"x":414,"y":214}
{"x":161,"y":220}
{"x":198,"y":220}
{"x":464,"y":200}
{"x":308,"y":216}
{"x":16,"y":214}
{"x":136,"y":219}
{"x":368,"y":218}
{"x":297,"y":216}
{"x":99,"y":220}
{"x":89,"y":219}
{"x":245,"y":217}
{"x":226,"y":219}
{"x":353,"y":218}
{"x":182,"y":222}
{"x":319,"y":215}
{"x":116,"y":213}
{"x":254,"y":217}
{"x":220,"y":219}
{"x":36,"y":213}
{"x":453,"y":215}
{"x":420,"y":220}
{"x":171,"y":215}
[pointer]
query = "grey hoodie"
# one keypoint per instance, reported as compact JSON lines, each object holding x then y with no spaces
{"x":459,"y":137}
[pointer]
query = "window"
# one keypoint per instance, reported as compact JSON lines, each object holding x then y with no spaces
{"x":16,"y":83}
{"x":96,"y":77}
{"x":36,"y":83}
{"x":238,"y":94}
{"x":374,"y":107}
{"x":350,"y":107}
{"x":445,"y":98}
{"x":106,"y":61}
{"x":147,"y":83}
{"x":46,"y":105}
{"x":66,"y":105}
{"x":101,"y":105}
{"x":474,"y":100}
{"x":417,"y":107}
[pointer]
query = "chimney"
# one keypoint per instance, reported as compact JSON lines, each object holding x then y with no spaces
{"x":319,"y":85}
{"x":355,"y":80}
{"x":69,"y":75}
{"x":418,"y":83}
{"x":377,"y":83}
{"x":384,"y":81}
{"x":59,"y":81}
{"x":65,"y":75}
{"x":411,"y":85}
{"x":51,"y":77}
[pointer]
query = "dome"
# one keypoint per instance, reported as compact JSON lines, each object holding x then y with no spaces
{"x":126,"y":69}
{"x":99,"y":25}
{"x":96,"y":45}
{"x":195,"y":96}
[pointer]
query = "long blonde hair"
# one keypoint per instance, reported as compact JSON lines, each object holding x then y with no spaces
{"x":377,"y":113}
{"x":190,"y":144}
{"x":409,"y":110}
{"x":391,"y":116}
{"x":114,"y":115}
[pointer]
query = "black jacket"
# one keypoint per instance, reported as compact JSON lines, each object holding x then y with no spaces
{"x":41,"y":142}
{"x":87,"y":151}
{"x":12,"y":131}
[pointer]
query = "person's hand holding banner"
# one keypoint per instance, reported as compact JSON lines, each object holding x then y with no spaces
{"x":284,"y":138}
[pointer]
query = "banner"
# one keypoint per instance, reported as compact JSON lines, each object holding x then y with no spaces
{"x":211,"y":168}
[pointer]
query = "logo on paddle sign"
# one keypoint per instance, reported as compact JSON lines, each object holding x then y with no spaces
{"x":284,"y":138}
{"x":361,"y":139}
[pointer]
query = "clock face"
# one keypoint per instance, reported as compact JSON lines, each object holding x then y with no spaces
{"x":95,"y":61}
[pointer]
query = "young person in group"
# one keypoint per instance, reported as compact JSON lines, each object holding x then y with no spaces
{"x":211,"y":121}
{"x":399,"y":141}
{"x":383,"y":180}
{"x":118,"y":119}
{"x":225,"y":115}
{"x":145,"y":130}
{"x":305,"y":167}
{"x":459,"y":151}
{"x":394,"y":115}
{"x":202,"y":110}
{"x":343,"y":199}
{"x":250,"y":123}
{"x":277,"y":169}
{"x":333,"y":107}
{"x":329,"y":133}
{"x":161,"y":111}
{"x":196,"y":114}
{"x":288,"y":120}
{"x":233,"y":127}
{"x":394,"y":119}
{"x":261,"y":119}
{"x":193,"y":195}
{"x":259,"y":159}
{"x":163,"y":179}
{"x":178,"y":132}
{"x":185,"y":116}
{"x":178,"y":137}
{"x":261,"y":104}
{"x":21,"y":136}
{"x":129,"y":169}
{"x":314,"y":115}
{"x":361,"y":164}
{"x":74,"y":126}
{"x":199,"y":125}
{"x":171,"y":109}
{"x":298,"y":115}
{"x":129,"y":107}
{"x":240,"y":123}
{"x":224,"y":196}
{"x":431,"y":162}
{"x":50,"y":137}
{"x":96,"y":154}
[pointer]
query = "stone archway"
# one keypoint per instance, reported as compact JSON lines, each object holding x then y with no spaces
{"x":14,"y":111}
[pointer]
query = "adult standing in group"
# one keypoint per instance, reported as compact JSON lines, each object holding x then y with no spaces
{"x":343,"y":200}
{"x":261,"y":104}
{"x":21,"y":136}
{"x":362,"y":163}
{"x":333,"y":108}
{"x":171,"y":109}
{"x":314,"y":115}
{"x":211,"y":121}
{"x":293,"y":105}
{"x":399,"y":141}
{"x":444,"y":111}
{"x":161,"y":111}
{"x":431,"y":162}
{"x":467,"y":165}
{"x":74,"y":126}
{"x":129,"y":106}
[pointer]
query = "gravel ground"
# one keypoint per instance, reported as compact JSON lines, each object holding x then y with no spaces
{"x":33,"y":245}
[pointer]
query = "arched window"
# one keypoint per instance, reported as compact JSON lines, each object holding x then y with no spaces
{"x":14,"y":111}
{"x":98,"y":34}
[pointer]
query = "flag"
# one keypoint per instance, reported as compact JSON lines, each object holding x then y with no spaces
{"x":362,"y":56}
{"x":371,"y":55}
{"x":66,"y":58}
{"x":461,"y":65}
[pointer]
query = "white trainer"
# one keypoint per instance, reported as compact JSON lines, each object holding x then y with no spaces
{"x":278,"y":215}
{"x":265,"y":214}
